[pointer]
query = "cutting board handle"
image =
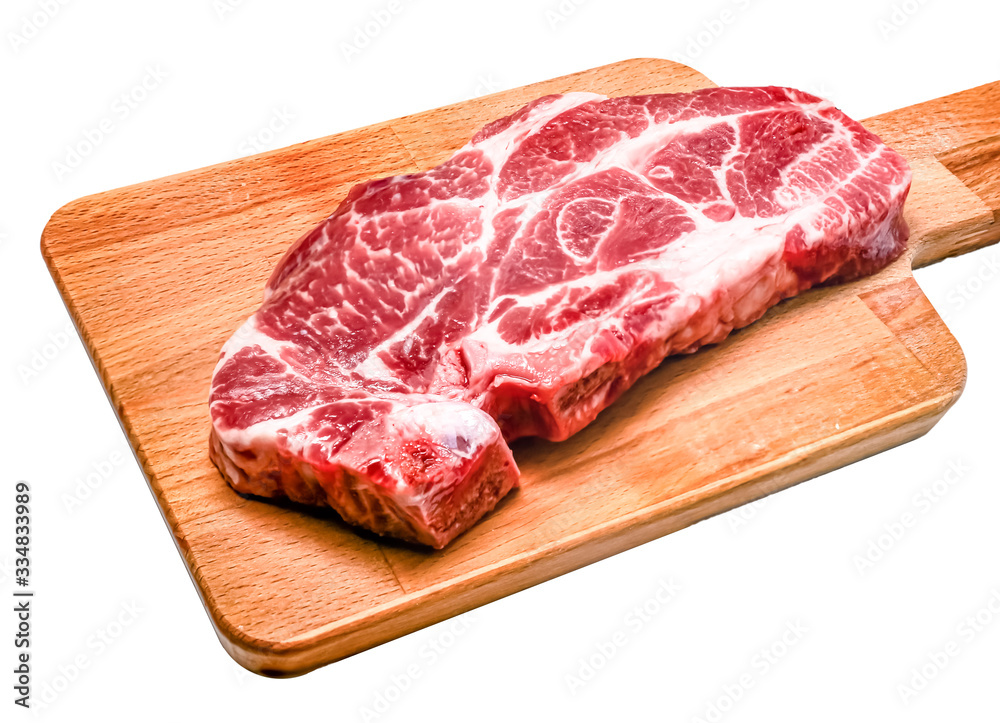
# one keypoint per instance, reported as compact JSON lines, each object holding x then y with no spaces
{"x":960,"y":131}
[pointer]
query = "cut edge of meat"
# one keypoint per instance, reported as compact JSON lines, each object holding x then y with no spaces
{"x":459,"y":494}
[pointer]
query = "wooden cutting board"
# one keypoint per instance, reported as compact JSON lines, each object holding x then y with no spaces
{"x":158,"y":275}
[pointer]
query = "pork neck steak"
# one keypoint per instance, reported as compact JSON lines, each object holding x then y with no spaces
{"x":522,"y":285}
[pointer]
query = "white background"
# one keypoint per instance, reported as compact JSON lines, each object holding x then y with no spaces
{"x":741,"y":578}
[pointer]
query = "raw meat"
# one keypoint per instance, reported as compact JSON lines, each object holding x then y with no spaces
{"x":522,"y":285}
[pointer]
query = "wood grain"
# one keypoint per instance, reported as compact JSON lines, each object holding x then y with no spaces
{"x":158,"y":275}
{"x":962,"y":131}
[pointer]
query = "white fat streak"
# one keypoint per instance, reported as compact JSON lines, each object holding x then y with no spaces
{"x":248,"y":335}
{"x":263,"y":434}
{"x":501,"y":146}
{"x":498,"y":149}
{"x":724,"y":256}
